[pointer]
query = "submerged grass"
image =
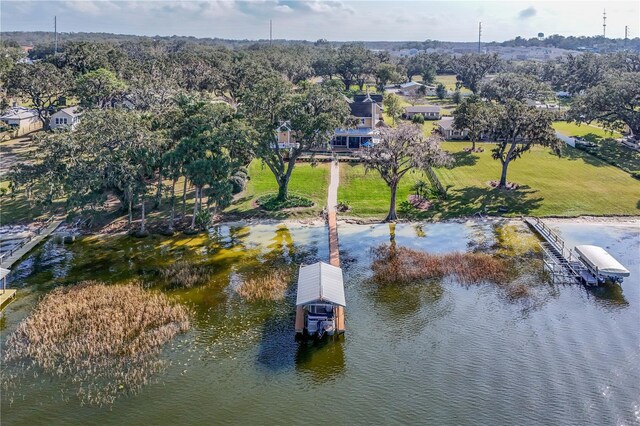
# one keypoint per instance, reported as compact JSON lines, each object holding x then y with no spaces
{"x":184,"y":274}
{"x":105,"y":339}
{"x":401,"y":265}
{"x":271,"y":286}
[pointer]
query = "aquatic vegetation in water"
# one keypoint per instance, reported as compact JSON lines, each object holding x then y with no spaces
{"x":516,"y":241}
{"x":270,"y":286}
{"x":105,"y":339}
{"x":185,"y":275}
{"x":401,"y":265}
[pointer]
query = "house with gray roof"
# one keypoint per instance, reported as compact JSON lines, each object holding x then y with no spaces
{"x":429,"y":112}
{"x":22,"y":120}
{"x":367,"y":109}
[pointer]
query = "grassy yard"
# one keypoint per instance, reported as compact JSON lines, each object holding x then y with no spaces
{"x":590,"y":132}
{"x":608,"y":149}
{"x":576,"y":184}
{"x":306,"y":180}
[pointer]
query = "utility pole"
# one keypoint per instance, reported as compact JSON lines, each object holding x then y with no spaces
{"x":55,"y":31}
{"x":626,"y":35}
{"x":270,"y":31}
{"x":604,"y":23}
{"x":479,"y":34}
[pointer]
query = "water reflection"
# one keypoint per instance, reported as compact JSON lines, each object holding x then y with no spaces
{"x":609,"y":295}
{"x":323,"y":360}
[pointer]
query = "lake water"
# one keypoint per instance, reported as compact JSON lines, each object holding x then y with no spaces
{"x":435,"y":353}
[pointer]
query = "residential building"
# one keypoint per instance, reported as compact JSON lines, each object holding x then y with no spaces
{"x":429,"y":112}
{"x":65,"y":118}
{"x":409,"y":88}
{"x":23,"y":120}
{"x":445,"y":126}
{"x":367,"y":109}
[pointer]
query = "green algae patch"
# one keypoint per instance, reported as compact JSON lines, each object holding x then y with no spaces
{"x":513,"y":241}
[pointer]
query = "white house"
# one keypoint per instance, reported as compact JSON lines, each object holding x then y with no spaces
{"x":65,"y":118}
{"x":22,"y":120}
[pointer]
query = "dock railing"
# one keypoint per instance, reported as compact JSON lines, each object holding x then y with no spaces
{"x":27,"y":240}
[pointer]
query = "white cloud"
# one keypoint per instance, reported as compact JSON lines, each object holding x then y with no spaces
{"x":334,"y":20}
{"x":283,"y":8}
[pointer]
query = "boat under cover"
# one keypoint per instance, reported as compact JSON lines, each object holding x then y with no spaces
{"x":598,"y":259}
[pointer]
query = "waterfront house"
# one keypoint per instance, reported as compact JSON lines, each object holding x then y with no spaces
{"x":66,"y":118}
{"x":367,"y":110}
{"x":429,"y":112}
{"x":22,"y":120}
{"x":445,"y":127}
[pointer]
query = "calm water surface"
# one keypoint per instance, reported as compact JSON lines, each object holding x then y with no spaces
{"x":438,"y":353}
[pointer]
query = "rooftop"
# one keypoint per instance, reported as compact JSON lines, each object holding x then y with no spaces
{"x":320,"y":282}
{"x":19,"y":113}
{"x":72,"y":111}
{"x":446,"y":123}
{"x":422,"y":108}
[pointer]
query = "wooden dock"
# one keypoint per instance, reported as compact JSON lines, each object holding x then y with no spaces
{"x":6,"y":296}
{"x":332,"y":222}
{"x":11,"y":257}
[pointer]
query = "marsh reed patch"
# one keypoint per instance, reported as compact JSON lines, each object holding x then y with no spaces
{"x":183,"y":274}
{"x":401,"y":265}
{"x":105,"y":339}
{"x":269,"y":286}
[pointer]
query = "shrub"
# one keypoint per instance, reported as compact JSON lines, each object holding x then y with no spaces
{"x":237,"y":184}
{"x":343,"y":206}
{"x":185,"y":275}
{"x":271,"y":203}
{"x":271,"y":286}
{"x":418,"y":119}
{"x":106,"y":339}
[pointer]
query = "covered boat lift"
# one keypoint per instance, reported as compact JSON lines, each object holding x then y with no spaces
{"x":600,"y":263}
{"x":320,"y":300}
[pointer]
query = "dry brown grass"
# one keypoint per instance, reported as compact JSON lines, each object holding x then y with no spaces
{"x":186,"y":275}
{"x":271,"y":286}
{"x":105,"y":339}
{"x":401,"y":265}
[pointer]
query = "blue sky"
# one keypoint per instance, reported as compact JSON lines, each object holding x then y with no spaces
{"x":334,"y":20}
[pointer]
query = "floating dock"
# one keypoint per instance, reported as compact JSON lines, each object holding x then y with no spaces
{"x":559,"y":259}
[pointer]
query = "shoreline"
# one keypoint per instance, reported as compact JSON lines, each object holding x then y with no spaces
{"x":317,"y":221}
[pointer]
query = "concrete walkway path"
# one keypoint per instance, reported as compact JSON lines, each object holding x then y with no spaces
{"x":334,"y":182}
{"x":332,"y":217}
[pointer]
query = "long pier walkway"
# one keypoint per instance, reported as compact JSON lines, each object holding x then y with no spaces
{"x":332,"y":222}
{"x":558,"y":258}
{"x":9,"y":258}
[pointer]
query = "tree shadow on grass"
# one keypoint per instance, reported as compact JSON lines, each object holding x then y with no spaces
{"x":463,"y":158}
{"x":471,"y":200}
{"x":575,"y":154}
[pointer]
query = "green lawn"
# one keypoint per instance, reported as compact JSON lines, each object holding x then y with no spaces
{"x":576,"y":184}
{"x":608,"y":149}
{"x":306,"y":180}
{"x":590,"y":132}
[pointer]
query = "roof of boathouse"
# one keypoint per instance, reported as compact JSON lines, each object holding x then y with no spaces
{"x":320,"y":282}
